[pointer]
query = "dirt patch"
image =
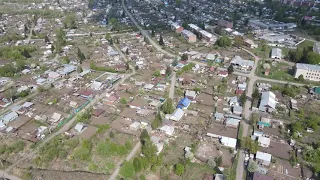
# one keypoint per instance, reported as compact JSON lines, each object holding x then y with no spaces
{"x":88,"y":133}
{"x":59,"y":175}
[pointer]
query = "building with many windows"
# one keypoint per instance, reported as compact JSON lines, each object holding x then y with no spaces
{"x":308,"y":71}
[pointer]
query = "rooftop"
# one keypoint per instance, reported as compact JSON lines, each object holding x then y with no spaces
{"x":307,"y":67}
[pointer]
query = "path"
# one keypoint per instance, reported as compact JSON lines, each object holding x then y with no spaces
{"x":172,"y":85}
{"x":128,"y":158}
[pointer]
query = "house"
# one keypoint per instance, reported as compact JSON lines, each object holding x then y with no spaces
{"x":97,"y":86}
{"x":294,"y":104}
{"x":242,"y":64}
{"x":223,"y":74}
{"x":263,"y":158}
{"x":155,"y":104}
{"x":263,"y":141}
{"x":135,"y":126}
{"x":229,"y":142}
{"x":168,"y":130}
{"x":177,"y":115}
{"x":156,"y":141}
{"x":41,"y":81}
{"x":148,"y":87}
{"x":208,"y":36}
{"x":218,"y":116}
{"x":276,"y":53}
{"x":233,"y":101}
{"x":190,"y":94}
{"x":225,"y":24}
{"x":268,"y":102}
{"x":308,"y":71}
{"x":237,"y":110}
{"x":184,"y":103}
{"x":97,"y":112}
{"x":233,"y":123}
{"x":110,"y":99}
{"x":144,"y":112}
{"x":9,"y":117}
{"x":189,"y":36}
{"x":264,"y":122}
{"x":80,"y":127}
{"x":250,"y":44}
{"x":55,"y":117}
{"x":86,"y":94}
{"x":176,"y":27}
{"x":258,"y":176}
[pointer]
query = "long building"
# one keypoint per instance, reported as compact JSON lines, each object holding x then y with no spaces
{"x":308,"y":71}
{"x":204,"y":34}
{"x":189,"y":36}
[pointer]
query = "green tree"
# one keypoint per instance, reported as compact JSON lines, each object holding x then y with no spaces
{"x":161,"y":40}
{"x":218,"y":160}
{"x":256,"y":94}
{"x":230,"y":69}
{"x":243,"y":99}
{"x":179,"y":169}
{"x":127,"y":170}
{"x":137,"y":164}
{"x":252,"y":166}
{"x":81,"y":56}
{"x":79,"y":69}
{"x":167,"y":107}
{"x":108,"y":36}
{"x":251,"y":145}
{"x":224,"y":41}
{"x":144,"y":135}
{"x":168,"y":71}
{"x":113,"y":21}
{"x":175,"y":62}
{"x":70,"y":22}
{"x":301,"y":78}
{"x":157,"y":73}
{"x":157,"y":121}
{"x":153,"y":33}
{"x":123,"y":101}
{"x":149,"y":150}
{"x":136,"y":67}
{"x":60,"y":39}
{"x":238,"y":41}
{"x":46,"y":39}
{"x":65,"y":60}
{"x":184,"y":57}
{"x":211,"y":163}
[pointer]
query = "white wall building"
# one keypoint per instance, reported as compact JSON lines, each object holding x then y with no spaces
{"x":308,"y":71}
{"x":276,"y":53}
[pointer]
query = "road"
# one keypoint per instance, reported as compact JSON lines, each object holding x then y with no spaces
{"x":130,"y":156}
{"x":172,"y":85}
{"x":8,"y":176}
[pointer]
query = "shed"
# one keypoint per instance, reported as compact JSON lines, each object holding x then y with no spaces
{"x":177,"y":115}
{"x":263,"y":141}
{"x":229,"y":142}
{"x":80,"y":127}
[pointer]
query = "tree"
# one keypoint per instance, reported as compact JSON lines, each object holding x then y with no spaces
{"x":175,"y":62}
{"x":167,"y":107}
{"x":251,"y":145}
{"x":157,"y":121}
{"x":230,"y":69}
{"x":179,"y":169}
{"x":184,"y":57}
{"x":136,"y":67}
{"x":224,"y":41}
{"x":255,"y":94}
{"x":266,"y":66}
{"x":113,"y":21}
{"x":252,"y":166}
{"x":127,"y":51}
{"x":127,"y":170}
{"x":108,"y":36}
{"x":149,"y":150}
{"x":144,"y":135}
{"x":161,"y":40}
{"x":157,"y":73}
{"x":168,"y":71}
{"x":153,"y":33}
{"x":301,"y":78}
{"x":218,"y":160}
{"x":81,"y":56}
{"x":52,"y":48}
{"x":243,"y":99}
{"x":211,"y":163}
{"x":70,"y":22}
{"x":137,"y":164}
{"x":60,"y":39}
{"x":65,"y":60}
{"x":123,"y":101}
{"x":79,"y":69}
{"x":238,"y":41}
{"x":46,"y":39}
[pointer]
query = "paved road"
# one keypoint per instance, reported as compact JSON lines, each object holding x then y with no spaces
{"x":8,"y":176}
{"x":172,"y":85}
{"x":130,"y":156}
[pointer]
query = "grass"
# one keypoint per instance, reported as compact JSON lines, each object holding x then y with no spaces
{"x":305,"y":43}
{"x":281,"y":71}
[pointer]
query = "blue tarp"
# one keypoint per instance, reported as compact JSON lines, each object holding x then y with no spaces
{"x":185,"y":102}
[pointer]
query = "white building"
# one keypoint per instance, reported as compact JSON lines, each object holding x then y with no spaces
{"x":316,"y":47}
{"x":263,"y":158}
{"x":229,"y":142}
{"x":276,"y":53}
{"x":242,"y":63}
{"x":308,"y":71}
{"x":263,"y":141}
{"x":268,"y":102}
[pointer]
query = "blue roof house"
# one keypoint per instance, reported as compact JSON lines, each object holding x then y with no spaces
{"x":184,"y":103}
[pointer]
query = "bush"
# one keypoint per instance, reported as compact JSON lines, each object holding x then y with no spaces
{"x":127,"y":170}
{"x":128,"y":145}
{"x":82,"y":154}
{"x":179,"y":169}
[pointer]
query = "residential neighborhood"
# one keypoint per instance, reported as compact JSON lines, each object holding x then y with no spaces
{"x":150,"y":89}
